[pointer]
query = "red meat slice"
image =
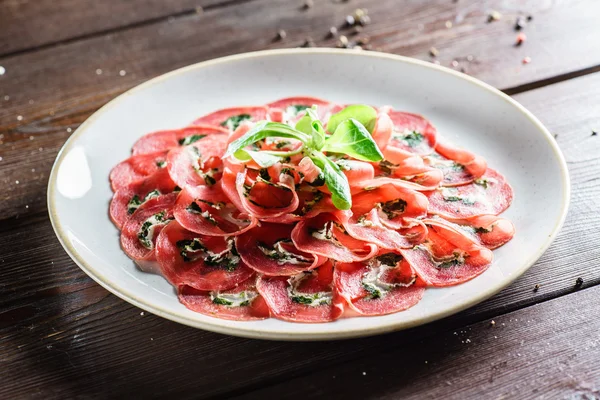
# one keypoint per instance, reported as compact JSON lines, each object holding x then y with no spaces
{"x":265,"y":199}
{"x":490,"y":194}
{"x":459,"y":166}
{"x":166,"y":140}
{"x":382,"y":132}
{"x":128,"y":199}
{"x":368,"y":228}
{"x":291,"y":109}
{"x":198,"y":163}
{"x":231,"y":118}
{"x":227,"y":304}
{"x":323,"y":235}
{"x":410,"y":167}
{"x":382,"y":285}
{"x":202,"y":262}
{"x":306,"y":297}
{"x":412,"y":133}
{"x":490,"y":231}
{"x":448,"y":257}
{"x":208,"y":211}
{"x":136,"y":168}
{"x":158,"y":210}
{"x":269,"y":250}
{"x":394,"y":201}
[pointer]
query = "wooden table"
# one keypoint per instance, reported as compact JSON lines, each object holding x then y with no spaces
{"x":63,"y":336}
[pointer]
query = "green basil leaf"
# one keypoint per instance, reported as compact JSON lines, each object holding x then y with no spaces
{"x":311,"y":125}
{"x":262,"y":130}
{"x":265,"y":160}
{"x":336,"y":181}
{"x":353,"y":139}
{"x":364,"y":114}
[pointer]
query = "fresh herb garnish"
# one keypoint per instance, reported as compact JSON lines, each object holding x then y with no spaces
{"x":412,"y":139}
{"x":234,"y":121}
{"x":189,"y":246}
{"x":190,"y":139}
{"x":484,"y":230}
{"x":393,"y":208}
{"x":161,"y":163}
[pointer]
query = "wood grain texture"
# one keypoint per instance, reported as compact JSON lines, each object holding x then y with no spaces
{"x":53,"y":90}
{"x":52,"y":315}
{"x":28,"y":25}
{"x":534,"y":353}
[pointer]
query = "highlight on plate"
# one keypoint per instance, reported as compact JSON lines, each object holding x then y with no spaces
{"x":307,"y":211}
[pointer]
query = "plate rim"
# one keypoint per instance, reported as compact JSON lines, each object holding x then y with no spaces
{"x":215,"y":324}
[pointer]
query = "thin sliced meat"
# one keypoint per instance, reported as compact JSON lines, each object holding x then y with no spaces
{"x":395,"y":203}
{"x":241,"y":303}
{"x":208,"y":211}
{"x":398,"y":163}
{"x":202,"y":262}
{"x":198,"y":163}
{"x":382,"y":132}
{"x":459,"y":166}
{"x":356,"y":171}
{"x":128,"y":199}
{"x":268,"y":250}
{"x":136,"y":168}
{"x":139,"y":233}
{"x":448,"y":257}
{"x":490,"y":194}
{"x":265,"y":199}
{"x":231,"y":118}
{"x":166,"y":140}
{"x":306,"y":297}
{"x":291,"y":109}
{"x":324,"y":235}
{"x":368,"y":228}
{"x":382,"y":285}
{"x":412,"y":133}
{"x":490,"y":231}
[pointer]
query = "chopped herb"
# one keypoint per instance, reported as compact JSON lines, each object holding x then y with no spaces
{"x":387,"y":167}
{"x":391,"y":259}
{"x":314,"y":300}
{"x":374,"y":293}
{"x":452,"y":263}
{"x":221,"y":301}
{"x":484,"y":230}
{"x":482,"y":182}
{"x":190,"y":139}
{"x":189,"y":246}
{"x":287,"y":171}
{"x":194,"y":208}
{"x":319,"y":181}
{"x":264,"y":174}
{"x":393,"y":208}
{"x":209,"y":180}
{"x":177,"y":189}
{"x":218,"y":205}
{"x":309,"y":205}
{"x":228,"y":260}
{"x":296,"y":108}
{"x":413,"y":139}
{"x":161,"y":163}
{"x":207,"y":216}
{"x":146,"y":232}
{"x":282,"y":144}
{"x":133,"y":204}
{"x":234,"y":121}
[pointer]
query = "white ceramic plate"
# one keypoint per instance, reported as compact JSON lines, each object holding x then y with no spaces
{"x":465,"y":110}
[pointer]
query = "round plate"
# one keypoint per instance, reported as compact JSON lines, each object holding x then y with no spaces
{"x":465,"y":110}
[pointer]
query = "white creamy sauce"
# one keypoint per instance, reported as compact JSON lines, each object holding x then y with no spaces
{"x":308,"y":299}
{"x":326,"y":233}
{"x":146,"y":233}
{"x":233,"y":299}
{"x":373,"y":279}
{"x":282,"y":256}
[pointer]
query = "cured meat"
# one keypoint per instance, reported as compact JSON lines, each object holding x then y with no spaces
{"x":459,"y":166}
{"x":241,"y":303}
{"x":306,"y":297}
{"x":128,"y":199}
{"x":448,"y":257}
{"x":208,"y":211}
{"x":382,"y":132}
{"x":394,"y":202}
{"x":356,"y":171}
{"x":382,"y":285}
{"x":166,"y":140}
{"x":368,"y":228}
{"x":201,"y":262}
{"x":291,"y":109}
{"x":490,"y":231}
{"x":198,"y":163}
{"x":324,"y":235}
{"x":231,"y":118}
{"x":490,"y":194}
{"x":263,"y":198}
{"x":269,"y":250}
{"x":139,"y":233}
{"x":136,"y":168}
{"x":410,"y":167}
{"x":412,"y":133}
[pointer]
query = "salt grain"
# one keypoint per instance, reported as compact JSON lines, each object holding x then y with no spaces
{"x":142,"y":313}
{"x":19,"y":118}
{"x":448,"y":24}
{"x":2,"y":70}
{"x":454,"y":63}
{"x":69,"y":130}
{"x":32,"y":169}
{"x":31,"y":138}
{"x":364,"y":373}
{"x":98,"y":71}
{"x":26,"y":206}
{"x":122,"y":72}
{"x":17,"y":182}
{"x":7,"y":97}
{"x":0,"y":158}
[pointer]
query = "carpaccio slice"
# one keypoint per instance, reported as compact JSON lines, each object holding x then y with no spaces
{"x":291,"y":109}
{"x":398,"y":163}
{"x":448,"y":256}
{"x":490,"y":194}
{"x":459,"y":166}
{"x":412,"y":133}
{"x":268,"y":249}
{"x":128,"y":199}
{"x":264,"y":198}
{"x":490,"y":231}
{"x":368,"y":228}
{"x":166,"y":140}
{"x":136,"y":168}
{"x":139,"y":233}
{"x":231,"y":118}
{"x":198,"y":163}
{"x":202,"y":262}
{"x":324,"y":235}
{"x":306,"y":297}
{"x":382,"y":285}
{"x":382,"y":132}
{"x":208,"y":211}
{"x":241,"y":303}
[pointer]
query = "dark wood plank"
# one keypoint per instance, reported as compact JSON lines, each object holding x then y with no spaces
{"x":53,"y":90}
{"x":28,"y":25}
{"x":66,"y":335}
{"x":547,"y":351}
